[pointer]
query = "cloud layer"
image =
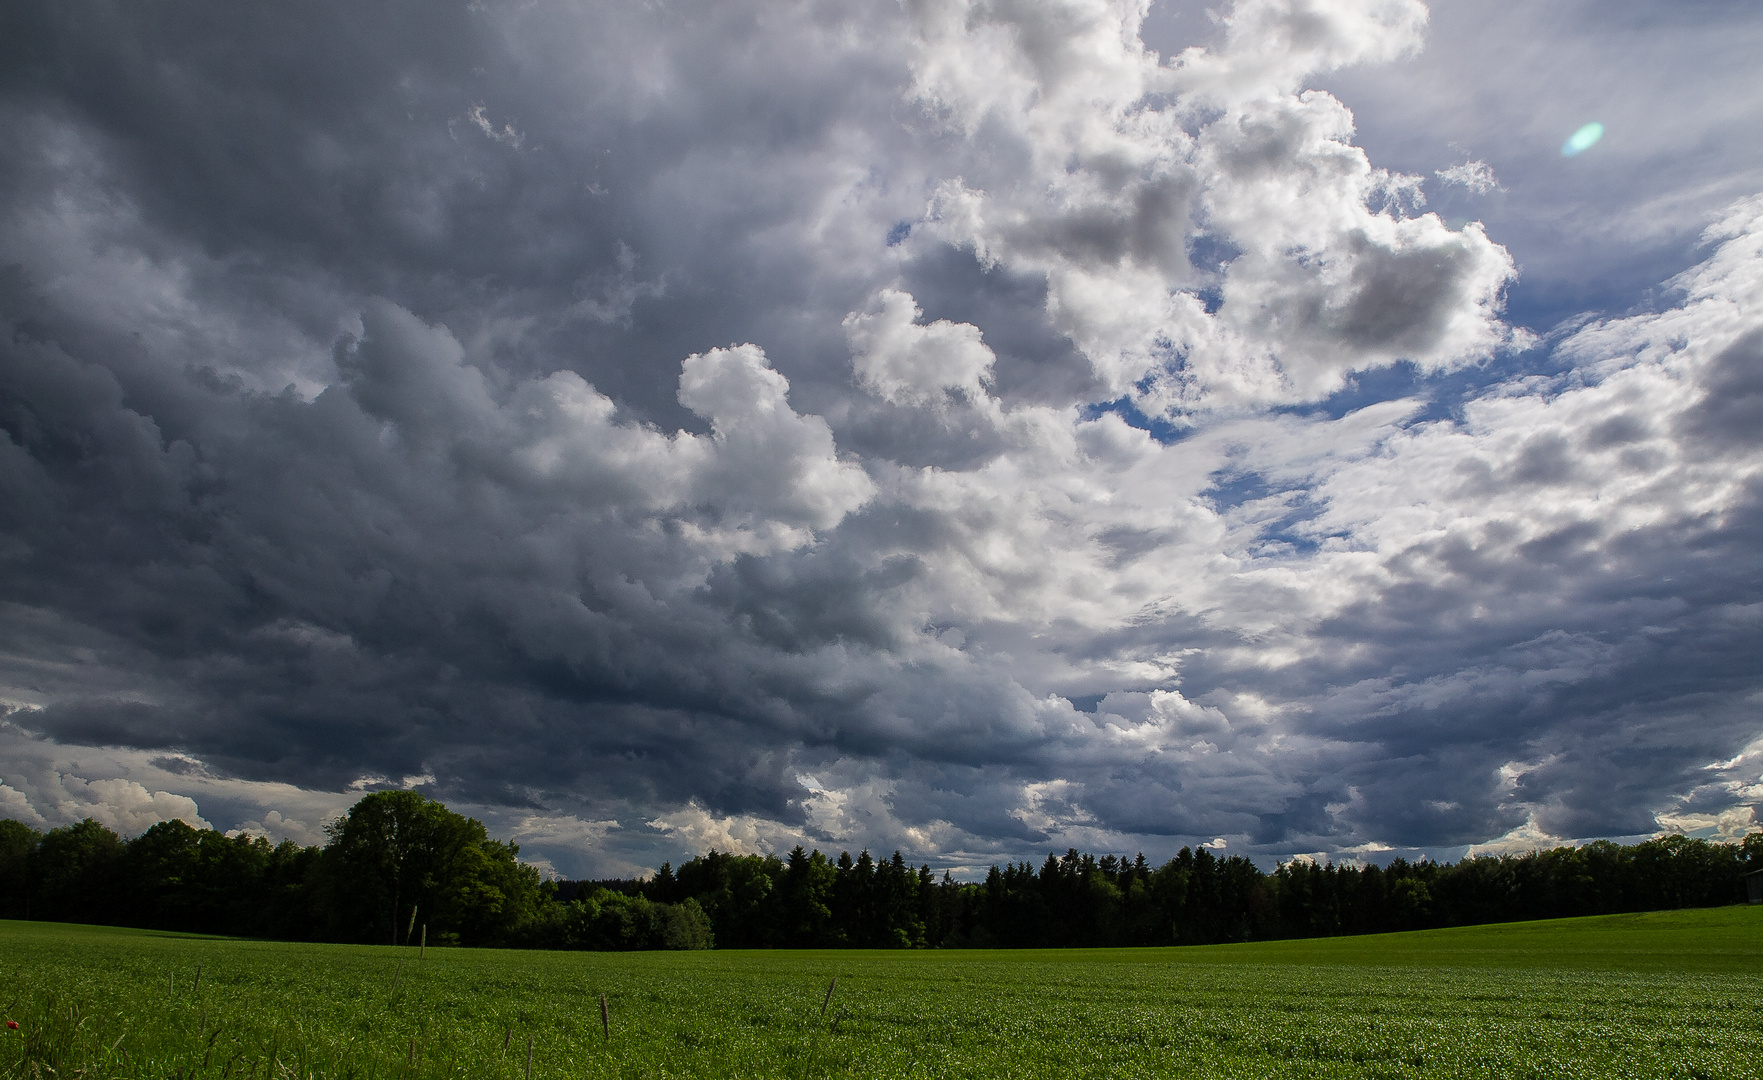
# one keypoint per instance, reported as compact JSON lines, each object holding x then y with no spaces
{"x":954,"y":427}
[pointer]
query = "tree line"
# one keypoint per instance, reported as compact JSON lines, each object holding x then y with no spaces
{"x":401,"y":868}
{"x":1196,"y":898}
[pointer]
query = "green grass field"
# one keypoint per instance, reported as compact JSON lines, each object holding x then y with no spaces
{"x":1677,"y":994}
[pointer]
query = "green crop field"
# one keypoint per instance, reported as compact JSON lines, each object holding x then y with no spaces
{"x":1676,"y":994}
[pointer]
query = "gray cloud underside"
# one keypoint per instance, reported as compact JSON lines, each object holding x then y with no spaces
{"x":376,"y":410}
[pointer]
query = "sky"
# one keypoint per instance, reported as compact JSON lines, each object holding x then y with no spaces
{"x":974,"y":428}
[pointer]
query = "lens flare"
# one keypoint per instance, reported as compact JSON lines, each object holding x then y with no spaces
{"x":1583,"y":139}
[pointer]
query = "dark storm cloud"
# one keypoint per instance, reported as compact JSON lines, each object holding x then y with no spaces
{"x":376,"y":413}
{"x":1732,"y":412}
{"x":1149,"y":226}
{"x":1615,"y":661}
{"x":290,"y":564}
{"x":359,"y":152}
{"x":1403,"y":298}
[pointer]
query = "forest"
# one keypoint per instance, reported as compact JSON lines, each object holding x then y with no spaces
{"x":400,"y":868}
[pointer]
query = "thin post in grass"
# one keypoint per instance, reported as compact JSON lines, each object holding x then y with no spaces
{"x":506,"y":1035}
{"x":424,"y":950}
{"x":197,"y":988}
{"x":411,"y":929}
{"x":829,"y":996}
{"x":605,"y":1018}
{"x":529,"y":1057}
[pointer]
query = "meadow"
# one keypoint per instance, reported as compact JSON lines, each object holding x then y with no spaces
{"x":1672,"y":994}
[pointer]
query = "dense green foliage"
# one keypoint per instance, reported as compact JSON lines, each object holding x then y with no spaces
{"x":1670,"y":995}
{"x":607,"y":920}
{"x":401,"y":867}
{"x":1194,"y":899}
{"x":398,"y":857}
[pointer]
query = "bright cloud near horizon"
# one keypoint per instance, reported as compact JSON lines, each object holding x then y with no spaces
{"x":968,"y":427}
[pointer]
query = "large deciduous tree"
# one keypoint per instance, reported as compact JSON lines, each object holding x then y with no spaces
{"x":399,"y":859}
